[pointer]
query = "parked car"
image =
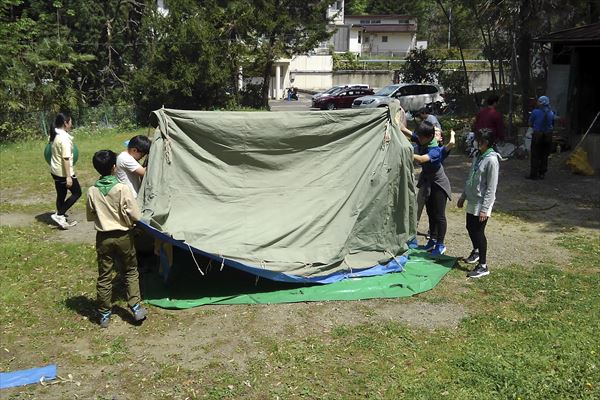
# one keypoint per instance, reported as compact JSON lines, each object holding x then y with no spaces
{"x":412,"y":96}
{"x":343,"y":98}
{"x":337,"y":88}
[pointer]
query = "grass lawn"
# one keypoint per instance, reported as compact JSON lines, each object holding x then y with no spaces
{"x":530,"y":331}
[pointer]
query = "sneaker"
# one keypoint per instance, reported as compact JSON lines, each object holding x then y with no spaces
{"x":479,"y":271}
{"x":438,"y":250}
{"x":413,"y":243}
{"x":428,"y":246}
{"x":71,"y":223}
{"x":139,"y":312}
{"x":473,"y":257}
{"x":104,"y":320}
{"x":60,"y":220}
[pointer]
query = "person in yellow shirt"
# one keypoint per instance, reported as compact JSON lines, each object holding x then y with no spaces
{"x":114,"y":210}
{"x":61,"y":169}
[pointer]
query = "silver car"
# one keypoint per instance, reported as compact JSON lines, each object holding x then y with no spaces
{"x":412,"y":96}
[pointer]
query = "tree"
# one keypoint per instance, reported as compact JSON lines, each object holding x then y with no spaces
{"x":284,"y":28}
{"x":420,"y":66}
{"x":38,"y":61}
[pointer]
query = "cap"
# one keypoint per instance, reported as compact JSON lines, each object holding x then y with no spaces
{"x":544,"y":100}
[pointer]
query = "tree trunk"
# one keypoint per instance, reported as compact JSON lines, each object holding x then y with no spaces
{"x":523,"y":46}
{"x":269,"y":61}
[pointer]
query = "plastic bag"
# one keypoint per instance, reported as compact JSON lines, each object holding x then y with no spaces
{"x":528,"y":137}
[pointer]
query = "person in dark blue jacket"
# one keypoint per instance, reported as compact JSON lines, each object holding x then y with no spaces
{"x":542,"y":122}
{"x":435,"y":185}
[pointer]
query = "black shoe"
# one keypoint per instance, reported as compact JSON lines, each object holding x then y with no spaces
{"x":473,"y":257}
{"x":478,"y":272}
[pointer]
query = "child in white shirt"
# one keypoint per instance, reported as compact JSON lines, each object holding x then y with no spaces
{"x":129,"y":171}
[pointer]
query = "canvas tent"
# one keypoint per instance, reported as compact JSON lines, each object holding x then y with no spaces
{"x":289,"y":196}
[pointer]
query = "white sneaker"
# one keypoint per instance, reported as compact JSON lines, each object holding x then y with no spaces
{"x":60,"y":220}
{"x":71,"y":223}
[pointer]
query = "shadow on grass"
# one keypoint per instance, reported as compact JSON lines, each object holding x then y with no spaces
{"x":86,"y":307}
{"x":44,"y":218}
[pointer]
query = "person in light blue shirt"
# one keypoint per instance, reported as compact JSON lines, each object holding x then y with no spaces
{"x":480,"y":195}
{"x":542,"y":122}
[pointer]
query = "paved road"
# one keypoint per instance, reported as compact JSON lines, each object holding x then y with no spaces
{"x":303,"y":104}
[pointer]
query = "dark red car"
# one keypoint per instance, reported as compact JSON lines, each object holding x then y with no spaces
{"x":341,"y":99}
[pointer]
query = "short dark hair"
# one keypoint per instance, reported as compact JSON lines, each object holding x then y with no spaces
{"x":141,"y":143}
{"x":486,"y":135}
{"x":426,"y":129}
{"x":104,"y":161}
{"x":492,"y":99}
{"x":424,"y":110}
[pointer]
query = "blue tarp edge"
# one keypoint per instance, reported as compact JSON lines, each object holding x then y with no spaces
{"x":27,"y":376}
{"x":395,"y":264}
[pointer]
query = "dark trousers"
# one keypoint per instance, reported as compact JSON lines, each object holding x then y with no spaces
{"x":62,"y":202}
{"x":541,"y":144}
{"x":110,"y":247}
{"x":476,"y":231}
{"x":436,"y":212}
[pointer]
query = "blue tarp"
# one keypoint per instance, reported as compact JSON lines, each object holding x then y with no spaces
{"x":27,"y":376}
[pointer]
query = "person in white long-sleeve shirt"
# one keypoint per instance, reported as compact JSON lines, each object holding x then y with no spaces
{"x":480,"y":194}
{"x":129,"y":170}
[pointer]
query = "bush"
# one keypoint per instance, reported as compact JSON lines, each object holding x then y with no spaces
{"x":421,"y":66}
{"x":454,"y":82}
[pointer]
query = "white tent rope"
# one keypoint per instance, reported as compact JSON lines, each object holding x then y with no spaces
{"x":194,"y":258}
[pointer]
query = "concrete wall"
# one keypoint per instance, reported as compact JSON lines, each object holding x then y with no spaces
{"x":375,"y":79}
{"x":479,"y":80}
{"x":309,"y":72}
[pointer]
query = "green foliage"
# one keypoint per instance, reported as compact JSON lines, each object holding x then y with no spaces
{"x":345,"y":61}
{"x":420,"y":66}
{"x":454,"y":82}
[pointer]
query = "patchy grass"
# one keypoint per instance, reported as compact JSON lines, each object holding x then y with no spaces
{"x":531,"y":334}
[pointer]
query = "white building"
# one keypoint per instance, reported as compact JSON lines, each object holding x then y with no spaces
{"x":381,"y":34}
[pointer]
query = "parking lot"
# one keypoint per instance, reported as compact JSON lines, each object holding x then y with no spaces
{"x":302,"y":104}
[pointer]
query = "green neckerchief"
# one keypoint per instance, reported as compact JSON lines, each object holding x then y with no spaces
{"x":105,"y":183}
{"x":476,"y":165}
{"x":427,"y":146}
{"x":433,"y":143}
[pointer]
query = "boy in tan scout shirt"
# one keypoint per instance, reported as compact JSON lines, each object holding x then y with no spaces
{"x":114,"y":210}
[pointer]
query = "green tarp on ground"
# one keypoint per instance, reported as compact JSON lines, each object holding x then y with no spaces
{"x":188,"y":289}
{"x":305,"y":194}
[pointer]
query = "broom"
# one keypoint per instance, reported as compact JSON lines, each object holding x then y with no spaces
{"x":578,"y":160}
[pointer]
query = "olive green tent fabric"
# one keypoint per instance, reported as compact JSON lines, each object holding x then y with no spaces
{"x":301,"y":193}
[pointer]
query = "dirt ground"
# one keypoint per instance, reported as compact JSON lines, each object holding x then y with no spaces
{"x":529,"y":216}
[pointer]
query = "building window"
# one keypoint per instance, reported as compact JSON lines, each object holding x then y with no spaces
{"x":370,"y":21}
{"x":359,"y":37}
{"x":404,"y":21}
{"x":384,"y":39}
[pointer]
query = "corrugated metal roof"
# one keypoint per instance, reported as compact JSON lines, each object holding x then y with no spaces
{"x":584,"y":34}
